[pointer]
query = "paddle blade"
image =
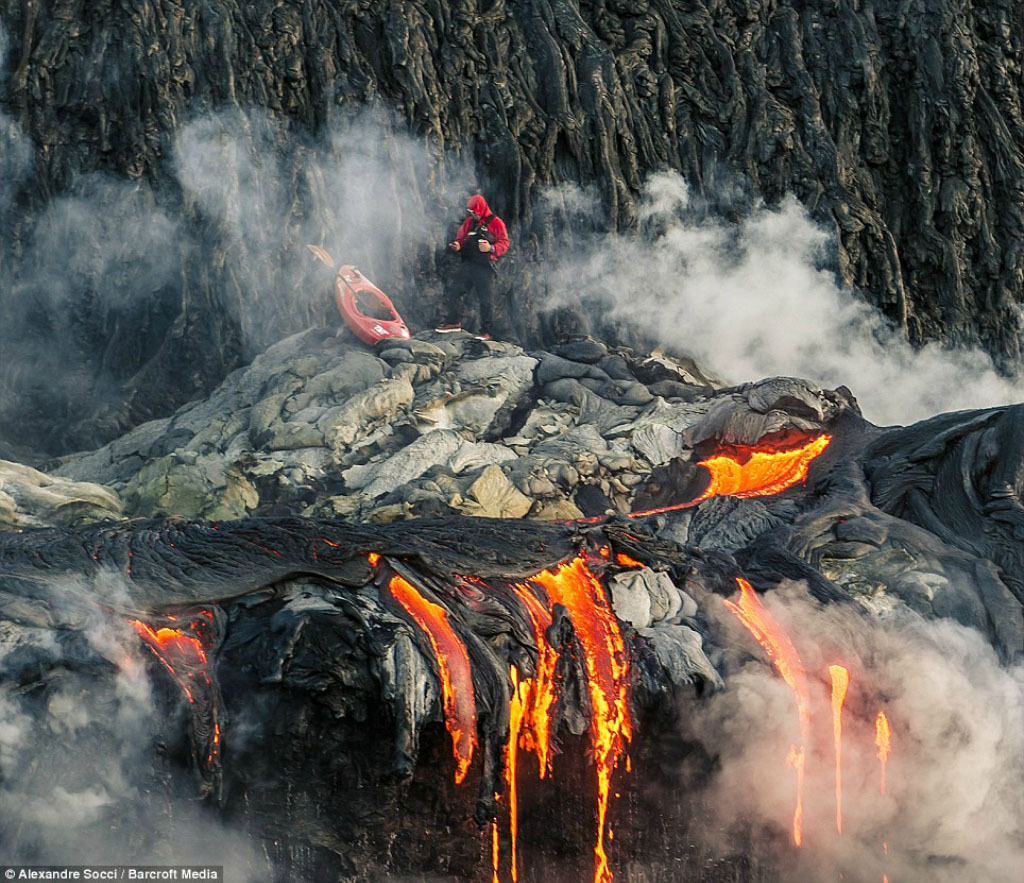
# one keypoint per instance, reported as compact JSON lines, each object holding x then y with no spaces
{"x":321,"y":255}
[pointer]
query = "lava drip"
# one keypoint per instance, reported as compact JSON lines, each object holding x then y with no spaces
{"x":576,"y":588}
{"x":840,"y":684}
{"x":882,"y":745}
{"x":521,"y":701}
{"x":185,"y":644}
{"x":762,"y":625}
{"x":536,"y":733}
{"x":753,"y":472}
{"x":457,"y":693}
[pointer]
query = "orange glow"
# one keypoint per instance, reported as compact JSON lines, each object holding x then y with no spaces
{"x":766,"y":472}
{"x":373,"y":558}
{"x":882,"y":744}
{"x":520,"y":702}
{"x":495,"y":852}
{"x":762,"y":625}
{"x":536,"y":735}
{"x":581,"y":593}
{"x":626,"y":561}
{"x":181,"y":652}
{"x":840,"y":684}
{"x":458,"y":698}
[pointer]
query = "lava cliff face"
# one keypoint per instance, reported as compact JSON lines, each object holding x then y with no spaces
{"x":899,"y":128}
{"x":451,"y":608}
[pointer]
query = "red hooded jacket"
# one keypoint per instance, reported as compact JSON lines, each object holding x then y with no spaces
{"x":495,"y":226}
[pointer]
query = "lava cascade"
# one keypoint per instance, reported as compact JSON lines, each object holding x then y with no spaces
{"x":762,"y":625}
{"x":575,"y":587}
{"x":184,"y":647}
{"x":883,"y":744}
{"x":457,"y":694}
{"x":840,"y":684}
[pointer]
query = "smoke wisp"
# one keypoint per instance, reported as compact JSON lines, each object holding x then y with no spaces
{"x":751,"y":300}
{"x":82,"y":779}
{"x":954,"y":798}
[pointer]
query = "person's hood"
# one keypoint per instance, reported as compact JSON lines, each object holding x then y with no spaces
{"x":479,"y":205}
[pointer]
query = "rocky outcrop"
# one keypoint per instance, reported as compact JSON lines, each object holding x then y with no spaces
{"x":450,"y":425}
{"x":206,"y":130}
{"x":30,"y":498}
{"x":440,"y":424}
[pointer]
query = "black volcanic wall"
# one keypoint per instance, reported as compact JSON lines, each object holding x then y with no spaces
{"x":898,"y":125}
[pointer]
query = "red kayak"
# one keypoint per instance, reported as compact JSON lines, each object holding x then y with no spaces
{"x":366,"y":309}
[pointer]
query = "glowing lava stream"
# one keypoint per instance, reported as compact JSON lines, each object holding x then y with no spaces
{"x":175,"y":650}
{"x":185,"y":657}
{"x":882,"y":744}
{"x":577,"y":589}
{"x":840,"y":684}
{"x":518,"y":706}
{"x":762,"y":625}
{"x":765,"y":474}
{"x":536,"y":734}
{"x":458,"y":697}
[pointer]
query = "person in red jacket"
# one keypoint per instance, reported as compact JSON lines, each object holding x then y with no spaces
{"x":481,"y":241}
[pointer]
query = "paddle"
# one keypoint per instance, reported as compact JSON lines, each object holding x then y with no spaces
{"x":321,"y":255}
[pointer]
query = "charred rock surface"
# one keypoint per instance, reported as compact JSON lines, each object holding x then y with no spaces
{"x":898,"y":127}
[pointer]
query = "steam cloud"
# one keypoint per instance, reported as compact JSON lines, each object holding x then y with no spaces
{"x":367,"y":191}
{"x":749,"y":301}
{"x":115,"y":269}
{"x":71,"y":762}
{"x":955,"y":798}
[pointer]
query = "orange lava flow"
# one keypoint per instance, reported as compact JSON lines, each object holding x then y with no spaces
{"x":840,"y":684}
{"x":882,"y":744}
{"x":762,"y":625}
{"x":495,"y":851}
{"x":458,"y":698}
{"x":536,"y":734}
{"x":763,"y":474}
{"x":517,"y":708}
{"x":581,"y":593}
{"x":180,"y":654}
{"x":624,"y":559}
{"x":184,"y":656}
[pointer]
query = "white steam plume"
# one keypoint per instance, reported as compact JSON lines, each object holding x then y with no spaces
{"x":78,"y":780}
{"x":954,"y":807}
{"x":748,"y":301}
{"x":367,"y":191}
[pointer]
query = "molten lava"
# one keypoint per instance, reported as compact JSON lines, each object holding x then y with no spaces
{"x":763,"y":473}
{"x":882,"y":744}
{"x":762,"y":625}
{"x":840,"y":684}
{"x":181,"y":654}
{"x":458,"y":698}
{"x":518,"y":706}
{"x":184,"y":648}
{"x":576,"y":588}
{"x":495,"y":852}
{"x":536,"y":734}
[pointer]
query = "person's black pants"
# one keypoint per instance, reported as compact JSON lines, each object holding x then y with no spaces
{"x":470,"y":296}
